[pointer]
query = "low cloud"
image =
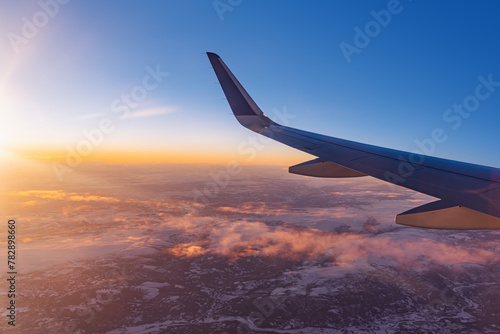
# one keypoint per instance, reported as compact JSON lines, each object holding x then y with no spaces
{"x":246,"y":238}
{"x":187,"y":250}
{"x":149,"y":213}
{"x":62,"y":195}
{"x":257,"y":208}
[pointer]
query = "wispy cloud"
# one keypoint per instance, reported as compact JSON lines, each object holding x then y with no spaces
{"x":145,"y":112}
{"x":151,"y":112}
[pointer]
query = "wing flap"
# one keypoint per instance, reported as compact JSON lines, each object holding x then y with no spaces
{"x":443,"y":215}
{"x":320,"y":168}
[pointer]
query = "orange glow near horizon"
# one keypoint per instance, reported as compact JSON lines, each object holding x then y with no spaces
{"x":156,"y":157}
{"x":124,"y":209}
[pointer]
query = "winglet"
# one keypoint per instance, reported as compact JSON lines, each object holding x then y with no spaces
{"x":243,"y":106}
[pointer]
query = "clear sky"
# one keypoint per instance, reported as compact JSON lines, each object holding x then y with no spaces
{"x":380,"y":72}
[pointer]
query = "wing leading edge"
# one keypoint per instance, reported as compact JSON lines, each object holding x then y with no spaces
{"x":469,"y":194}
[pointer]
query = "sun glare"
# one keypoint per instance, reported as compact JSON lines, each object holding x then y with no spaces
{"x":8,"y":126}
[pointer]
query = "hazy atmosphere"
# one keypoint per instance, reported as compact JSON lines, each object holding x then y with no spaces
{"x":132,"y":249}
{"x":142,"y":206}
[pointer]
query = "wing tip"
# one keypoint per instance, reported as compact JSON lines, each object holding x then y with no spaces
{"x":212,"y":55}
{"x":243,"y":106}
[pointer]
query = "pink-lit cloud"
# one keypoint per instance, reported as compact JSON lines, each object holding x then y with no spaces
{"x":244,"y":238}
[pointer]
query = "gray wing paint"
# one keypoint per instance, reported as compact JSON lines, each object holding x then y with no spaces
{"x":469,"y":194}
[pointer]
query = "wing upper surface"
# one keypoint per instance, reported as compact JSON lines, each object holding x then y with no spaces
{"x":456,"y":183}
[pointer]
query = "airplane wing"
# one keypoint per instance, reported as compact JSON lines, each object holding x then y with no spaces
{"x":469,"y":194}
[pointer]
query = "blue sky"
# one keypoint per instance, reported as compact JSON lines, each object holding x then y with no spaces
{"x":395,"y":91}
